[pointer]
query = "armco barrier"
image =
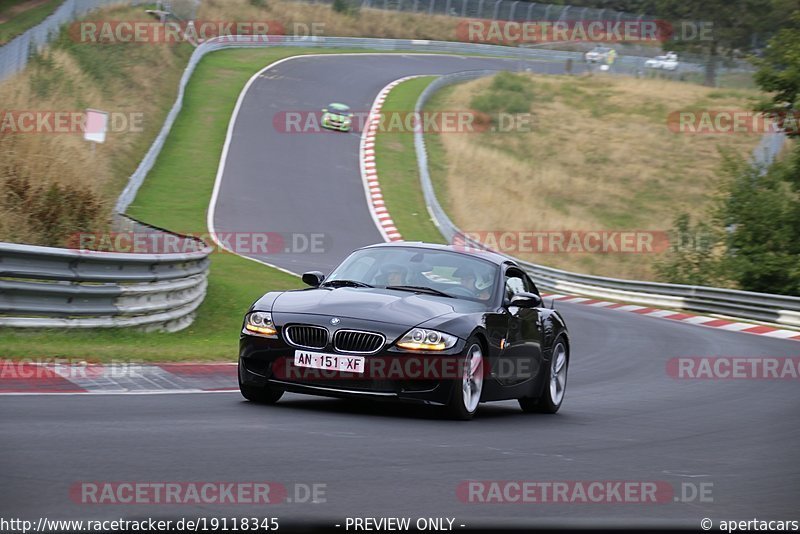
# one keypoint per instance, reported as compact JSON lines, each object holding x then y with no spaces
{"x":762,"y":307}
{"x":14,"y":54}
{"x":159,"y":300}
{"x":624,"y":65}
{"x":780,"y":309}
{"x":44,"y":287}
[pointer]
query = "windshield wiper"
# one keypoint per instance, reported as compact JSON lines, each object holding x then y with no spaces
{"x":421,"y":289}
{"x":349,"y":283}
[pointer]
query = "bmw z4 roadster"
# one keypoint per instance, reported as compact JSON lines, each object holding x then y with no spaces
{"x":434,"y":324}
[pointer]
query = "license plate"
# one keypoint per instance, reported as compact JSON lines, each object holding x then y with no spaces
{"x":329,"y":362}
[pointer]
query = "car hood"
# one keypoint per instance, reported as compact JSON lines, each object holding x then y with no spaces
{"x":371,"y":304}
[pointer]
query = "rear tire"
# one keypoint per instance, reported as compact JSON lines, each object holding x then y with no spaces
{"x":467,"y":391}
{"x":555,"y":385}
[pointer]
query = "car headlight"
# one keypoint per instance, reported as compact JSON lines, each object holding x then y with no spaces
{"x":422,"y":339}
{"x":260,"y":324}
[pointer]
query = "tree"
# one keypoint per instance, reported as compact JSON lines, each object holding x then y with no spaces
{"x":762,"y":214}
{"x":730,"y":26}
{"x":779,"y":73}
{"x":752,"y":238}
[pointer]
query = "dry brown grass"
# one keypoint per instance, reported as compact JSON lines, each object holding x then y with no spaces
{"x":599,"y":157}
{"x":365,"y":23}
{"x":52,"y":185}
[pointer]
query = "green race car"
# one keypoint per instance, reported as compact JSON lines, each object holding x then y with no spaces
{"x":337,"y":117}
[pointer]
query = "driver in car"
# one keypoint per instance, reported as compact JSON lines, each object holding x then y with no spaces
{"x":467,"y":280}
{"x":394,"y":275}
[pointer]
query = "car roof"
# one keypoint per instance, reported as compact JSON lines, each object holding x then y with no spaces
{"x":339,"y":107}
{"x":492,"y":257}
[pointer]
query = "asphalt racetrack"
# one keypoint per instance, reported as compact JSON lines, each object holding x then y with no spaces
{"x":624,"y":417}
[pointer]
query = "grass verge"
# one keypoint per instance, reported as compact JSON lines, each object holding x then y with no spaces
{"x":176,"y":195}
{"x":599,"y":156}
{"x":396,"y":164}
{"x":18,"y":16}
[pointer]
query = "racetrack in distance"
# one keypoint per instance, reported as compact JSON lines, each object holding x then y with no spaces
{"x":624,"y":417}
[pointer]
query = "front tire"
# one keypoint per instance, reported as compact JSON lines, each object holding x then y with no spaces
{"x":467,"y":391}
{"x":259,"y":394}
{"x":555,"y":387}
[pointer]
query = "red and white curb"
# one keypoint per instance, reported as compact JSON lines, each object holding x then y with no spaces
{"x":700,"y":320}
{"x":369,"y":172}
{"x":32,"y":377}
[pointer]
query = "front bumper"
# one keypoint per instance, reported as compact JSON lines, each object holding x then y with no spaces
{"x":389,"y":374}
{"x":333,"y":124}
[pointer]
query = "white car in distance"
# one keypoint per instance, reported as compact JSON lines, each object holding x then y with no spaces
{"x":669,"y":61}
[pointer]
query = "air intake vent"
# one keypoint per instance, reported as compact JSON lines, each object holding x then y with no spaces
{"x":358,"y":342}
{"x":306,"y":336}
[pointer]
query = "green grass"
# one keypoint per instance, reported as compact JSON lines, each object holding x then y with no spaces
{"x":25,"y":20}
{"x":176,"y":196}
{"x":437,"y":158}
{"x":396,"y":164}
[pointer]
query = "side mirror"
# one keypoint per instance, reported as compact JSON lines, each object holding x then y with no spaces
{"x":313,"y":278}
{"x":526,"y":300}
{"x":324,"y":110}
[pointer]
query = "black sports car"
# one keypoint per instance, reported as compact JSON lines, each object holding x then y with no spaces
{"x":409,"y":321}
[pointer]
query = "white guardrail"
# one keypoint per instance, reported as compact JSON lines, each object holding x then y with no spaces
{"x":779,"y":309}
{"x":624,"y":65}
{"x":44,"y":287}
{"x":15,"y":53}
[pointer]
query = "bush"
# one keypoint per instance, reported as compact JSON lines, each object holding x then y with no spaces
{"x":48,"y":213}
{"x":752,"y":238}
{"x":694,"y":256}
{"x":508,"y":93}
{"x":345,"y":7}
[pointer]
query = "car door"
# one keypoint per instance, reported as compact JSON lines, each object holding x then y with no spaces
{"x":521,"y":356}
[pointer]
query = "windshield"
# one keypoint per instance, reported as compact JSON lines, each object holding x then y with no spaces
{"x":409,"y":269}
{"x":339,"y":109}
